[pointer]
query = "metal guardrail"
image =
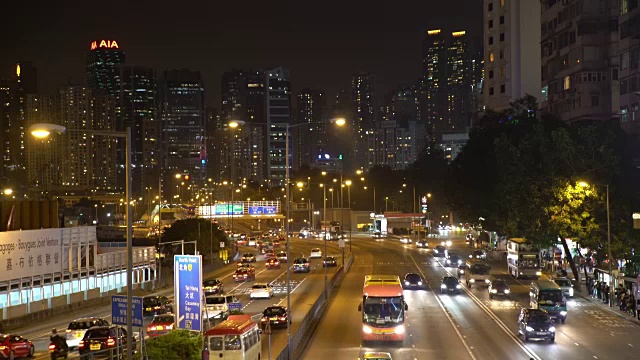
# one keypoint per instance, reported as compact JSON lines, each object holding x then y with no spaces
{"x":312,"y":318}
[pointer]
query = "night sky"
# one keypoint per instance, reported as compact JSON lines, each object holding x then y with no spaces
{"x":322,"y":42}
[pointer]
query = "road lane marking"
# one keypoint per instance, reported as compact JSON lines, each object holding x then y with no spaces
{"x":453,"y":324}
{"x":497,"y":320}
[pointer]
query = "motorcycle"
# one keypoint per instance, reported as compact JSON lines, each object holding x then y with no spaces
{"x":58,"y":352}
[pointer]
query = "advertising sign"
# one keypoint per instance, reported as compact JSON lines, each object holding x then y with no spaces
{"x":188,"y":291}
{"x":119,"y":310}
{"x":227,"y":209}
{"x":262,"y":210}
{"x":30,"y":253}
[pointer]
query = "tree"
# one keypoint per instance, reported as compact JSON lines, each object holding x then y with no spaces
{"x":195,"y":230}
{"x":176,"y":345}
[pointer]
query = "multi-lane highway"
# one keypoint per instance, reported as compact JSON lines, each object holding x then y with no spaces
{"x":464,"y":326}
{"x":306,"y":288}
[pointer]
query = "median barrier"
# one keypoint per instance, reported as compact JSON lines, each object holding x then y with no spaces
{"x":313,"y":316}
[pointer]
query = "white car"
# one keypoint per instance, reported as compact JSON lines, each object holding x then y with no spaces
{"x":316,"y":253}
{"x":566,"y":286}
{"x":405,"y":240}
{"x":252,"y":241}
{"x":77,"y":328}
{"x":261,"y":291}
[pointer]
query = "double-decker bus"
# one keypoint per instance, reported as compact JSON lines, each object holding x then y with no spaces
{"x":383,"y":309}
{"x":237,"y":338}
{"x":523,"y":259}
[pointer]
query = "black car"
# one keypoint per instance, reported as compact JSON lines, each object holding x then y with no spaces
{"x":535,"y":324}
{"x":105,"y":342}
{"x":439,"y":251}
{"x":499,"y":287}
{"x":275,"y":315}
{"x":248,"y":257}
{"x":462,"y":268}
{"x":453,"y":260}
{"x":478,"y":254}
{"x":329,"y":261}
{"x":414,"y":281}
{"x":422,"y":244}
{"x":213,"y":287}
{"x":156,"y":305}
{"x":450,"y":285}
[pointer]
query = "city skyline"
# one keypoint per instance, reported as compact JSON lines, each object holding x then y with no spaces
{"x":371,"y":39}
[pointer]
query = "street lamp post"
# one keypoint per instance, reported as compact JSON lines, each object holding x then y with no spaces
{"x":337,"y":121}
{"x":42,"y":131}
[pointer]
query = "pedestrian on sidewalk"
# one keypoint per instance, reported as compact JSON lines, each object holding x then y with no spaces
{"x":606,"y":293}
{"x":589,"y":286}
{"x":597,"y":292}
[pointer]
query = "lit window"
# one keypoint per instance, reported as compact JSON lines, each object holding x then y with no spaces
{"x":567,"y":82}
{"x":491,"y":57}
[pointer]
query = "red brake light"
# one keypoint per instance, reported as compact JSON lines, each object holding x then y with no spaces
{"x":81,"y":344}
{"x":52,"y":346}
{"x":111,"y":342}
{"x":283,"y":318}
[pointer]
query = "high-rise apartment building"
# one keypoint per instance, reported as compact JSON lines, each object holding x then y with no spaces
{"x":511,"y":51}
{"x":580,"y":59}
{"x":103,"y":59}
{"x":278,"y":106}
{"x":446,"y":81}
{"x":183,"y":123}
{"x":629,"y":74}
{"x":137,"y":107}
{"x":6,"y":96}
{"x":362,"y":117}
{"x":89,"y":164}
{"x":398,"y":143}
{"x":311,"y":139}
{"x":43,"y":155}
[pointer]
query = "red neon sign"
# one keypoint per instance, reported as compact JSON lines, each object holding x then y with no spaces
{"x":106,"y":44}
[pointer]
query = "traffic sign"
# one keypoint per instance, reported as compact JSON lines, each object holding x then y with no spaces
{"x":341,"y":243}
{"x":188,"y":291}
{"x":119,"y":310}
{"x":235,"y":306}
{"x":221,"y":244}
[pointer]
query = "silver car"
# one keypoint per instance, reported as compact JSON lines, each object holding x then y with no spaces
{"x":566,"y":285}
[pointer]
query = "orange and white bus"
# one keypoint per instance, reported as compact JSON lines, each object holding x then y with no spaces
{"x":383,"y":309}
{"x":237,"y":338}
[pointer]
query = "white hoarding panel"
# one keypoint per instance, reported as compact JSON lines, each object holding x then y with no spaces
{"x":30,"y":253}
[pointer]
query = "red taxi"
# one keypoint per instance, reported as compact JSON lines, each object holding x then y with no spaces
{"x":244,"y":274}
{"x":273,"y":264}
{"x":160,"y":325}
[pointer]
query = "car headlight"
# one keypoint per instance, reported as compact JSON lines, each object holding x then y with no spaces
{"x":507,"y":291}
{"x":563,"y":313}
{"x":472,"y":280}
{"x":435,"y":251}
{"x":448,"y":242}
{"x":406,"y":283}
{"x":470,"y":256}
{"x":538,"y":273}
{"x":461,"y":271}
{"x":458,"y":286}
{"x":366,"y":329}
{"x":529,"y":328}
{"x":399,"y":329}
{"x":443,"y":286}
{"x":459,"y":262}
{"x":419,"y":282}
{"x":487,"y":281}
{"x":571,"y":292}
{"x":493,"y":291}
{"x":552,"y":329}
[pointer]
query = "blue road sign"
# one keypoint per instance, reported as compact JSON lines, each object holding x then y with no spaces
{"x":235,"y":306}
{"x":188,"y":291}
{"x":119,"y":310}
{"x":260,"y":209}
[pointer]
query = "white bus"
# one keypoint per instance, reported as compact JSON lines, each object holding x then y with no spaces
{"x":237,"y":338}
{"x":523,"y":259}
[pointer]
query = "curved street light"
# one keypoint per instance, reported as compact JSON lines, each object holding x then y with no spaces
{"x":42,"y":131}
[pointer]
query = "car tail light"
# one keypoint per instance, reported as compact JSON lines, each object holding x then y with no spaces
{"x":81,"y":344}
{"x":282,"y":318}
{"x":111,"y":342}
{"x":263,"y":319}
{"x":151,"y":328}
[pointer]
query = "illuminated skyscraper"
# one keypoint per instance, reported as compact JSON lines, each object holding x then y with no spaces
{"x":278,"y":99}
{"x":183,"y":123}
{"x":310,"y":140}
{"x":103,"y":58}
{"x":362,"y":116}
{"x":43,"y":155}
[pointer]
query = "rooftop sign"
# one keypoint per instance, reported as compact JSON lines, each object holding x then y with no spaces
{"x":104,"y":44}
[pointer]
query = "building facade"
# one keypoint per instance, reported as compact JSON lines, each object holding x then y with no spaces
{"x":43,"y":155}
{"x":580,"y":59}
{"x":137,"y":107}
{"x":362,"y":117}
{"x":629,"y":73}
{"x":103,"y":59}
{"x":310,"y":140}
{"x":182,"y":124}
{"x":278,"y":106}
{"x":511,"y":52}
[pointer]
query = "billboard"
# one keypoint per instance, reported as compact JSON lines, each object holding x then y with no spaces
{"x":188,"y":291}
{"x":262,"y":210}
{"x":31,"y":253}
{"x":228,"y":209}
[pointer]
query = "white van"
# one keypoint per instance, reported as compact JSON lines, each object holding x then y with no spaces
{"x":217,"y":305}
